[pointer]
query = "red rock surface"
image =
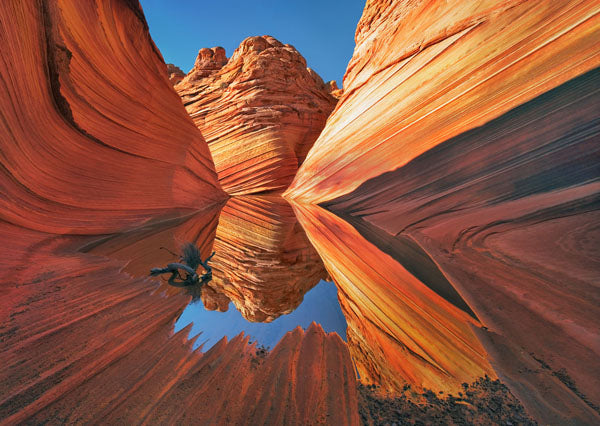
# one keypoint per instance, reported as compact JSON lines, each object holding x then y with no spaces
{"x":84,"y":342}
{"x":93,"y":137}
{"x":458,"y":183}
{"x":470,"y":129}
{"x":94,"y":140}
{"x":400,"y":331}
{"x":508,"y":212}
{"x":260,"y":112}
{"x":264,"y":262}
{"x":423,"y":72}
{"x":175,"y":74}
{"x":207,"y":62}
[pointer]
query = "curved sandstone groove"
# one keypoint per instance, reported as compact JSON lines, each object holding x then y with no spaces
{"x":426,"y":71}
{"x":399,"y":330}
{"x":508,"y":212}
{"x":83,"y":342}
{"x":260,"y":111}
{"x":93,"y":138}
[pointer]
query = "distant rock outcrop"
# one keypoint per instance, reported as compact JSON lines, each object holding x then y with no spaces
{"x":207,"y":62}
{"x":175,"y":74}
{"x":333,"y":89}
{"x":260,"y":112}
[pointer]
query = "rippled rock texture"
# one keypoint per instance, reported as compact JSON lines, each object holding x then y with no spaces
{"x":260,"y":111}
{"x":403,"y":327}
{"x":93,"y":137}
{"x":94,"y":140}
{"x":452,"y":196}
{"x":83,"y":342}
{"x":264,"y":262}
{"x":467,"y":134}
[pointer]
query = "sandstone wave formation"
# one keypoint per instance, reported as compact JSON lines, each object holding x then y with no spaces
{"x":260,"y":112}
{"x":83,"y":342}
{"x":468,"y":131}
{"x":95,"y":141}
{"x":452,"y":195}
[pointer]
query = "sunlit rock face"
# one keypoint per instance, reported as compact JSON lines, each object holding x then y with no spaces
{"x":470,"y":129}
{"x":94,"y":140}
{"x":264,"y":262}
{"x":401,"y":330}
{"x":423,"y":72}
{"x":260,"y":112}
{"x":93,"y":137}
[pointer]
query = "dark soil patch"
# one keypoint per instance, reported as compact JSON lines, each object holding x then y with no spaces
{"x":483,"y":402}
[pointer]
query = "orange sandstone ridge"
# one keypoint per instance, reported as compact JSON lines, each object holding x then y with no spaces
{"x":458,"y":187}
{"x":399,"y":330}
{"x":94,"y":140}
{"x":175,"y":74}
{"x":93,"y":137}
{"x":424,"y":72}
{"x":260,"y":111}
{"x":470,"y":129}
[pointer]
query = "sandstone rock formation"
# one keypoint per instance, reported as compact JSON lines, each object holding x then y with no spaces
{"x":207,"y":62}
{"x":93,"y":138}
{"x":260,"y":112}
{"x":333,"y":89}
{"x":84,"y":342}
{"x":175,"y":74}
{"x":452,"y":196}
{"x":423,"y":72}
{"x":401,"y":330}
{"x":264,"y":262}
{"x":470,"y":129}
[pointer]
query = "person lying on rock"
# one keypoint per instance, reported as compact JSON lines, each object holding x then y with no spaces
{"x":190,"y":260}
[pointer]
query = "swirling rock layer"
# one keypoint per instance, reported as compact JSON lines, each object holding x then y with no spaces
{"x":470,"y":130}
{"x":93,"y":138}
{"x":400,"y":330}
{"x":426,"y":71}
{"x":260,"y":112}
{"x":84,"y":342}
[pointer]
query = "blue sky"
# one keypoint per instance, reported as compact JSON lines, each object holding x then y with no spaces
{"x":320,"y":305}
{"x":321,"y":30}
